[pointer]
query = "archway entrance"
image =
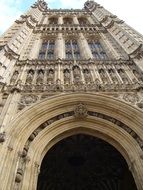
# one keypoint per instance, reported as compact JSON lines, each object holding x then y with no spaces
{"x":82,"y":162}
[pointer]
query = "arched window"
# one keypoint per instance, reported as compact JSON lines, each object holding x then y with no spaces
{"x":69,"y":55}
{"x":72,"y":49}
{"x":50,"y":55}
{"x":82,"y":21}
{"x":53,"y":20}
{"x":97,"y":50}
{"x":77,"y":55}
{"x":67,"y":20}
{"x":47,"y":50}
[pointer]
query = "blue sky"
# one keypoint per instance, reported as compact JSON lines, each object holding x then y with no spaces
{"x":127,"y":10}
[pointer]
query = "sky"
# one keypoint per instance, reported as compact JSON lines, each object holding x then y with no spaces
{"x":128,"y":10}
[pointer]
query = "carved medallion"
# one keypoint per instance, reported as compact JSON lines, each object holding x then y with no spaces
{"x":80,"y":111}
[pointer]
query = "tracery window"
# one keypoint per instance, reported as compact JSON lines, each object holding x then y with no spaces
{"x":47,"y":50}
{"x":67,"y":20}
{"x":53,"y":20}
{"x":72,"y":50}
{"x":82,"y":21}
{"x":97,"y":50}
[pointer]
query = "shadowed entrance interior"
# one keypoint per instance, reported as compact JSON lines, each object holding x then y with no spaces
{"x":82,"y":162}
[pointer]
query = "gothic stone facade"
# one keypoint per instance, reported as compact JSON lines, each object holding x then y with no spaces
{"x":81,"y":69}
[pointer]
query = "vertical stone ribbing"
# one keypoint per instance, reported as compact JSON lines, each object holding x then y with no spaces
{"x":84,"y":47}
{"x":59,"y":47}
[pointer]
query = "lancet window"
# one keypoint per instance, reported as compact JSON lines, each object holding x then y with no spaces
{"x":97,"y":50}
{"x":72,"y":50}
{"x":47,"y":50}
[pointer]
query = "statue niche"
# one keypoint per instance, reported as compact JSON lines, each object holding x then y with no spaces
{"x":40,"y":76}
{"x":66,"y":76}
{"x":14,"y":77}
{"x":50,"y":76}
{"x":76,"y":74}
{"x":103,"y":76}
{"x":113,"y":76}
{"x":87,"y":76}
{"x":30,"y":76}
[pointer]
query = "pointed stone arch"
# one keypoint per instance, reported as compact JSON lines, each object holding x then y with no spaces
{"x":42,"y":125}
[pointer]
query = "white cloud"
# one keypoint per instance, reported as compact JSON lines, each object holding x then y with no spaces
{"x":9,"y":12}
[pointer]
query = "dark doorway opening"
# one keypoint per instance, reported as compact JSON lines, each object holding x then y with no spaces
{"x":83,"y":162}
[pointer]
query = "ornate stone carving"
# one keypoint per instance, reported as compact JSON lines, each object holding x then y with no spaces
{"x":30,"y":76}
{"x":140,"y":104}
{"x":40,"y":77}
{"x":28,"y":99}
{"x":131,"y":98}
{"x":14,"y":77}
{"x":67,"y":76}
{"x":19,"y":175}
{"x":80,"y":111}
{"x":2,"y":137}
{"x":76,"y":74}
{"x":87,"y":75}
